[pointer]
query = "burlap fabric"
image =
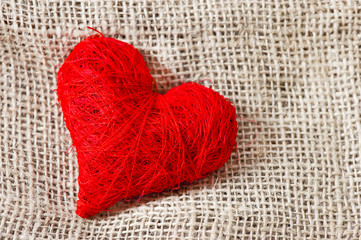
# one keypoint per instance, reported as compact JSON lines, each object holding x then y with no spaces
{"x":293,"y":66}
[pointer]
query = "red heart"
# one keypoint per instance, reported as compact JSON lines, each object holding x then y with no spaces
{"x":131,"y":140}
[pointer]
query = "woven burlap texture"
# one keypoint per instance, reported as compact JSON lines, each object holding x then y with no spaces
{"x":293,"y":66}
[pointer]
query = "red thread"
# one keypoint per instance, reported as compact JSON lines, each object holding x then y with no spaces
{"x":131,"y":141}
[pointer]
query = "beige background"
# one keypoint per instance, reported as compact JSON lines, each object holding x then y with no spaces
{"x":291,"y":65}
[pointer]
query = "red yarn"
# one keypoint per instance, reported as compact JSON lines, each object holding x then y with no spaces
{"x":130,"y":140}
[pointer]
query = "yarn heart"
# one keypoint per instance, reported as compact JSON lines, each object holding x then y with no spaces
{"x":131,"y":140}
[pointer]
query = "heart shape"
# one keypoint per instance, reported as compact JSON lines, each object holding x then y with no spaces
{"x":131,"y":140}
